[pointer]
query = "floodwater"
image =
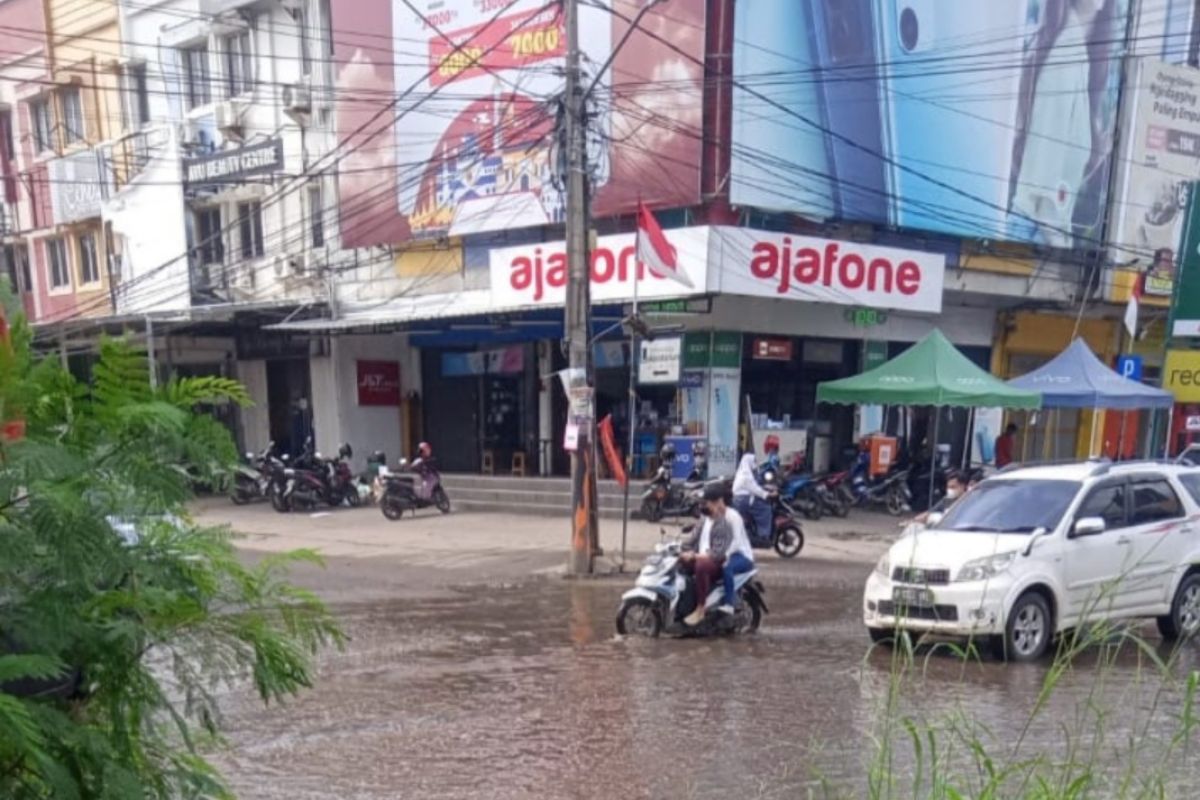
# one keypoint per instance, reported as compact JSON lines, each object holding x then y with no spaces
{"x":525,"y":692}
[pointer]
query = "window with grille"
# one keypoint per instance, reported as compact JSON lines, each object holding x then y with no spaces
{"x":89,"y":267}
{"x":250,"y":228}
{"x":195,"y":76}
{"x":56,"y":258}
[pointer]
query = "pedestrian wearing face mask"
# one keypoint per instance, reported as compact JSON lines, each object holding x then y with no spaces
{"x":956,"y":486}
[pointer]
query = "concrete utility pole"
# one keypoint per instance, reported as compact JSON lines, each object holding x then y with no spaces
{"x":584,"y":521}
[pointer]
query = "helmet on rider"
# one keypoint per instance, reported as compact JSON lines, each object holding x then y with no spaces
{"x":424,"y":450}
{"x":667,"y":453}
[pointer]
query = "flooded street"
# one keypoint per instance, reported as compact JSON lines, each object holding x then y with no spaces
{"x":525,"y":691}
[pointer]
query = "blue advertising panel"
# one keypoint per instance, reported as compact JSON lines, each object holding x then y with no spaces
{"x":977,"y":118}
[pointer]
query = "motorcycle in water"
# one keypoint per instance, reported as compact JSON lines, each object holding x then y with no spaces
{"x":786,"y":536}
{"x":665,"y":497}
{"x":663,"y":596}
{"x":252,"y":480}
{"x":400,"y":491}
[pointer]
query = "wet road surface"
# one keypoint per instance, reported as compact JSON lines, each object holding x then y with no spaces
{"x":525,"y":691}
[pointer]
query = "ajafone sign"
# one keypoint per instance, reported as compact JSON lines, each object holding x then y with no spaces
{"x":731,"y":261}
{"x":233,"y":166}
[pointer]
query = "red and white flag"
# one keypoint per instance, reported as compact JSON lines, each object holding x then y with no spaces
{"x":655,"y":251}
{"x":1131,"y":309}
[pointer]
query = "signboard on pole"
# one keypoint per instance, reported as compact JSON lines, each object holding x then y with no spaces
{"x":1185,"y":306}
{"x":659,"y":360}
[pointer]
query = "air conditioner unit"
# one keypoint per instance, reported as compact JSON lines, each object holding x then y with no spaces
{"x":195,"y":137}
{"x":229,"y":118}
{"x":297,"y":102}
{"x":246,"y":277}
{"x":298,"y":265}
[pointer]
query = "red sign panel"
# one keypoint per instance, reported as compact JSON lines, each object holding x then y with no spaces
{"x":773,"y":349}
{"x":378,"y":383}
{"x":512,"y":42}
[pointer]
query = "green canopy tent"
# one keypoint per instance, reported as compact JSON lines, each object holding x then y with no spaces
{"x":930,"y":373}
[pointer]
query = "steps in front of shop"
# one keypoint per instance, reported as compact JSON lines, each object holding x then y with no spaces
{"x":541,"y":496}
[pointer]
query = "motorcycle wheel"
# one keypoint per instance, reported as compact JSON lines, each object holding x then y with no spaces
{"x":392,"y":508}
{"x":239,"y":497}
{"x":789,"y":541}
{"x":837,"y":505}
{"x":651,"y":510}
{"x":353,"y":498}
{"x":895,"y":501}
{"x":641,"y":616}
{"x":751,"y":609}
{"x":810,"y":504}
{"x":441,"y":500}
{"x":279,"y":502}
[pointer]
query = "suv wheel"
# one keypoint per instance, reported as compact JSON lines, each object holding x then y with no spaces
{"x":1029,"y":629}
{"x":1184,"y":620}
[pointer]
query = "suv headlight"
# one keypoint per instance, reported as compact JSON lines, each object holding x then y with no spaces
{"x":883,"y":567}
{"x":980,"y":569}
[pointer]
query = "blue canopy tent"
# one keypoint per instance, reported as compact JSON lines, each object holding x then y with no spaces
{"x":1076,"y":378}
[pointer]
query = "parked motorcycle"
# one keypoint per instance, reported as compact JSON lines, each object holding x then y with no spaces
{"x":666,"y":497}
{"x":891,"y":491}
{"x":663,"y":596}
{"x":312,"y":479}
{"x":252,"y":480}
{"x":799,"y":488}
{"x":836,"y":495}
{"x":400,"y":491}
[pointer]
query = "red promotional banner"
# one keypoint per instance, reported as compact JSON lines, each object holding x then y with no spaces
{"x":510,"y":42}
{"x":378,"y":383}
{"x":610,"y":450}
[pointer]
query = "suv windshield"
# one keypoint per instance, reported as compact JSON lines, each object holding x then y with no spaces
{"x":1011,"y":506}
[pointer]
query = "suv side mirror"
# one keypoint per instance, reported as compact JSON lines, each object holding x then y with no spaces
{"x":1088,"y":526}
{"x":934,"y":519}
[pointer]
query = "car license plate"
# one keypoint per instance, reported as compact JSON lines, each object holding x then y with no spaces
{"x":912,"y":596}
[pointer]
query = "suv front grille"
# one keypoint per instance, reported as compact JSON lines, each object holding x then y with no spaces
{"x":922,"y":577}
{"x":942,"y":613}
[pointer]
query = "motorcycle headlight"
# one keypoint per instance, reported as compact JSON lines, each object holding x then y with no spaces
{"x":883,"y":567}
{"x":981,"y":569}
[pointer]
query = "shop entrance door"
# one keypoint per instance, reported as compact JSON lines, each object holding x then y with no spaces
{"x":289,"y":403}
{"x":451,"y":406}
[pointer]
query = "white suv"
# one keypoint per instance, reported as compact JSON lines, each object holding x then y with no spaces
{"x":1036,"y":551}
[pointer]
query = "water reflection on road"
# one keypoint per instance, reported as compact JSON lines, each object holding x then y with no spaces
{"x":525,"y":692}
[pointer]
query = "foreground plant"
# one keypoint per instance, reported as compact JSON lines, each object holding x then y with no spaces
{"x":119,"y":618}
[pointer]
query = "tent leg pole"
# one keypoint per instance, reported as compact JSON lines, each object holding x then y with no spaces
{"x":1121,"y":440}
{"x":1167,"y":438}
{"x":966,"y":453}
{"x":933,"y":460}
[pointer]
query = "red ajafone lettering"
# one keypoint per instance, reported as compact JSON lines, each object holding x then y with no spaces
{"x":545,"y":271}
{"x":829,"y":267}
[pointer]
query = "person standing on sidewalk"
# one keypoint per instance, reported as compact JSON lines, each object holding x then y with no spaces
{"x":1005,"y":444}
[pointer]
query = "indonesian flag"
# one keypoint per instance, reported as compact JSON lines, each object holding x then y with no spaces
{"x":655,"y":251}
{"x":1131,"y":309}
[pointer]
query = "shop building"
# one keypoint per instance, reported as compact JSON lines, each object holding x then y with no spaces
{"x":765,"y":318}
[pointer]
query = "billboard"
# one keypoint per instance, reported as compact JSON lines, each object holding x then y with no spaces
{"x":989,"y":120}
{"x":1161,"y":138}
{"x":447,"y":126}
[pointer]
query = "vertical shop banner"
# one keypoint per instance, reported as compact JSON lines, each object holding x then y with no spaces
{"x":870,"y":417}
{"x":378,"y":383}
{"x":988,"y":425}
{"x":1162,"y":143}
{"x":724,"y":388}
{"x":1022,"y":153}
{"x":467,"y":147}
{"x":1185,"y":304}
{"x":607,"y":441}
